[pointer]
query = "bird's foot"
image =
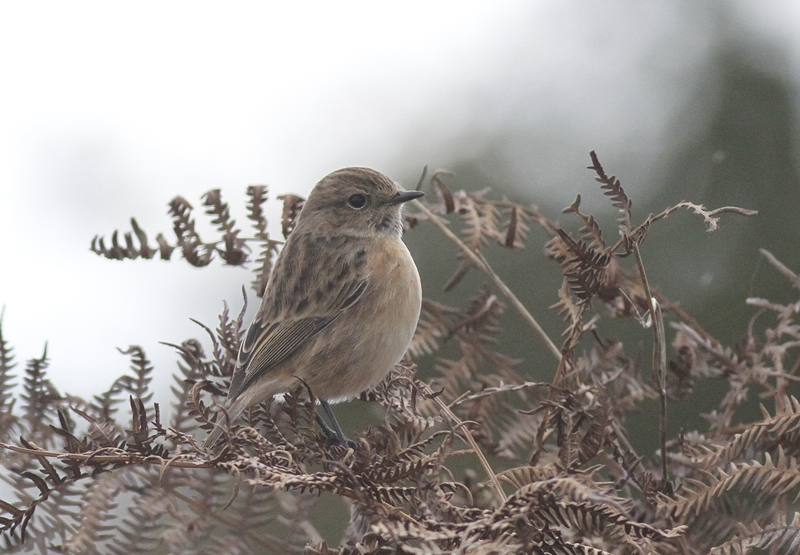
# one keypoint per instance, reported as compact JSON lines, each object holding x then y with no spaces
{"x":335,"y":434}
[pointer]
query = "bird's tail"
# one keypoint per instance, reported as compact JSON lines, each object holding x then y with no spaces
{"x":222,"y":424}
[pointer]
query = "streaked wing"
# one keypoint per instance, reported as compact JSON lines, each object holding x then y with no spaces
{"x":270,"y":343}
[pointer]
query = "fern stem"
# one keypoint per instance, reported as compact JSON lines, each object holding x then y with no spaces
{"x":480,"y":262}
{"x":659,"y":357}
{"x":124,"y":457}
{"x":473,"y":444}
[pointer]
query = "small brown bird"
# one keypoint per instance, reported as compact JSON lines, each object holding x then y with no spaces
{"x":342,"y":302}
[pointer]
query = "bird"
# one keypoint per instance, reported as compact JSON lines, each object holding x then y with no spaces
{"x":341,"y":304}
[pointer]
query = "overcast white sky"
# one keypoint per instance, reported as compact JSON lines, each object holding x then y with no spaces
{"x":108,"y":110}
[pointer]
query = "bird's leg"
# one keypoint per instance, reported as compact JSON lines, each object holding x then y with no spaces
{"x":335,"y":433}
{"x":330,"y":435}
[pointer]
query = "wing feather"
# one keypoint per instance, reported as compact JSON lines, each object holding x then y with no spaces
{"x":272,"y":346}
{"x":282,"y":326}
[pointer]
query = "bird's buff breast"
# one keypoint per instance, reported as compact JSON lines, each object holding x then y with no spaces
{"x":358,"y":349}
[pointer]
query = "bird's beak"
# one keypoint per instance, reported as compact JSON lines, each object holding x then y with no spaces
{"x":404,"y":196}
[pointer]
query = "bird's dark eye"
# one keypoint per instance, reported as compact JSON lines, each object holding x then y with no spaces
{"x":357,"y":201}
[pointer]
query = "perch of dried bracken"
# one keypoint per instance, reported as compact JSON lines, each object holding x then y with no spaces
{"x":477,"y":458}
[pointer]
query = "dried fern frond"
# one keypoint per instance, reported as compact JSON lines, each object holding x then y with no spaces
{"x":105,"y":405}
{"x":37,"y":396}
{"x":97,"y":516}
{"x":7,"y":364}
{"x":782,"y":536}
{"x":613,"y":189}
{"x":192,"y":247}
{"x":766,"y":481}
{"x":292,"y":204}
{"x":591,"y":232}
{"x":517,"y":228}
{"x":434,"y":327}
{"x":559,"y":469}
{"x":583,"y":267}
{"x":233,"y":252}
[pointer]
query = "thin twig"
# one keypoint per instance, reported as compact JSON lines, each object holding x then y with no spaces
{"x":732,"y":210}
{"x":480,"y":262}
{"x":467,"y":435}
{"x":659,"y":357}
{"x":537,"y":446}
{"x":793,"y":278}
{"x":505,"y":388}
